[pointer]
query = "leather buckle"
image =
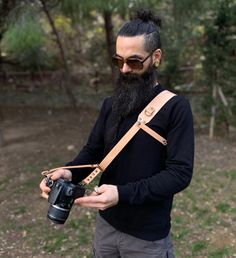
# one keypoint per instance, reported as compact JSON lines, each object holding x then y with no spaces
{"x":149,"y":111}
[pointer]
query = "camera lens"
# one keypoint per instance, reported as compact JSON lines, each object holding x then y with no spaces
{"x":49,"y":182}
{"x":57,"y":214}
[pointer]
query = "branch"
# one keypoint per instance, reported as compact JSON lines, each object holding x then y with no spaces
{"x":62,"y":54}
{"x":224,"y":100}
{"x":55,"y":32}
{"x":213,"y":112}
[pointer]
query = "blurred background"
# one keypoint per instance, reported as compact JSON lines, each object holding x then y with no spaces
{"x":55,"y":70}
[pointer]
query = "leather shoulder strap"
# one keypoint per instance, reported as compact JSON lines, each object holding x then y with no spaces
{"x":151,"y":110}
{"x":154,"y":106}
{"x":144,"y":117}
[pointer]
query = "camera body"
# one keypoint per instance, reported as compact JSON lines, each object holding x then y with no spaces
{"x":61,"y":198}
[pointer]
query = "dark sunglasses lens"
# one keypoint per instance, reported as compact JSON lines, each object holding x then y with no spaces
{"x":118,"y":62}
{"x":134,"y":64}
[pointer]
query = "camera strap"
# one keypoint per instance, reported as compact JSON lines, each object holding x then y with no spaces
{"x":144,"y":117}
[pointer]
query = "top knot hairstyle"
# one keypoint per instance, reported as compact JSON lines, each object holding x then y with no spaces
{"x":147,"y":24}
{"x":147,"y":16}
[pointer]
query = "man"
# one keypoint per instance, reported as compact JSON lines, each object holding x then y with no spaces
{"x":135,"y":193}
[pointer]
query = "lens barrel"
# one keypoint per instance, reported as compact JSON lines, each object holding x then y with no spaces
{"x":57,"y":214}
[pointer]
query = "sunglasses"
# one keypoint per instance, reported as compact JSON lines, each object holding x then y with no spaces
{"x":133,"y":63}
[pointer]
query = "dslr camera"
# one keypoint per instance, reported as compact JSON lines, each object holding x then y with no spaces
{"x":61,"y":198}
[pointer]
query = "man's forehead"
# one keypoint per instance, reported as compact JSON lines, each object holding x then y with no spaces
{"x":129,"y":46}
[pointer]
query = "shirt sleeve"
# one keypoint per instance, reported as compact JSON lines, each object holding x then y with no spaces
{"x":179,"y":162}
{"x":93,"y":151}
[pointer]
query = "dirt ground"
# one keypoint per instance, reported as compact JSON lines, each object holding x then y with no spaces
{"x":37,"y":139}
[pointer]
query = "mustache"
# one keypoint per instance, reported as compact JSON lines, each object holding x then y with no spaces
{"x":144,"y":78}
{"x":129,"y":77}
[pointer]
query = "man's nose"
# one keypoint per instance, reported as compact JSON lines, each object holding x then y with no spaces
{"x":125,"y":68}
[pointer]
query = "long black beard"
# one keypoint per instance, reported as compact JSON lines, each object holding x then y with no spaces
{"x":132,"y":93}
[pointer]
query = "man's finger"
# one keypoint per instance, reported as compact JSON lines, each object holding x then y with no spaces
{"x":90,"y":199}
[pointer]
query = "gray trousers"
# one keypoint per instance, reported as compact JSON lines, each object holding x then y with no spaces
{"x":111,"y":243}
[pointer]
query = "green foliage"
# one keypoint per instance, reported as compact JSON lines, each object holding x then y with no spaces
{"x":220,"y":43}
{"x":201,"y":215}
{"x":71,"y":8}
{"x":199,"y":246}
{"x":75,"y":9}
{"x":223,"y":207}
{"x":79,"y":10}
{"x":55,"y":242}
{"x":219,"y":53}
{"x":198,"y":39}
{"x":225,"y":252}
{"x":24,"y":40}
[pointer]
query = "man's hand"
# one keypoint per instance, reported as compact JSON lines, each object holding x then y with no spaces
{"x":59,"y":173}
{"x":105,"y":196}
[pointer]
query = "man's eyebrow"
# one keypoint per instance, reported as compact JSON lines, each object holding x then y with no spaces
{"x":136,"y":56}
{"x":133,"y":56}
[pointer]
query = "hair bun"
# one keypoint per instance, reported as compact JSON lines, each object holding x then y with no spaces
{"x":146,"y":16}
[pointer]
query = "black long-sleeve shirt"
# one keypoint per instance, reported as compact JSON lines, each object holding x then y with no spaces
{"x":147,"y":173}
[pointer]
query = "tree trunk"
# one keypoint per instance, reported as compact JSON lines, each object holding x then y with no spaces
{"x":110,"y":38}
{"x":1,"y":115}
{"x":1,"y":130}
{"x":213,"y":113}
{"x":1,"y":138}
{"x":5,"y":7}
{"x":66,"y":83}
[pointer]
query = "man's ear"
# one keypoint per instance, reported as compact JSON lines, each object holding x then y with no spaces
{"x":157,"y":56}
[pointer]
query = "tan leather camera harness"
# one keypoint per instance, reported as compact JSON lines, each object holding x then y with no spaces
{"x":144,"y":117}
